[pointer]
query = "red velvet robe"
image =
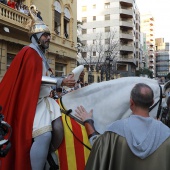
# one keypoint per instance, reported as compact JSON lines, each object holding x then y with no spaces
{"x":19,"y":91}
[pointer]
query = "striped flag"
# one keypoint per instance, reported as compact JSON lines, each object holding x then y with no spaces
{"x":73,"y":153}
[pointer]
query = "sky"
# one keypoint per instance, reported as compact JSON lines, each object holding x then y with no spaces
{"x":160,"y":9}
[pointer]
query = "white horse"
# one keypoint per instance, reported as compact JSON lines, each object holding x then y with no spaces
{"x":110,"y":99}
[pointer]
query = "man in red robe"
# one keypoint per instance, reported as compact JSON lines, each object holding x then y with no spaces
{"x":26,"y":105}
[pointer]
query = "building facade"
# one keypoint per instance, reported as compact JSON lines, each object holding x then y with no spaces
{"x":99,"y":18}
{"x":147,"y":27}
{"x":60,"y":16}
{"x":162,"y":58}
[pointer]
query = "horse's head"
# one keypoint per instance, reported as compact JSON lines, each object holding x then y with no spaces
{"x":166,"y":91}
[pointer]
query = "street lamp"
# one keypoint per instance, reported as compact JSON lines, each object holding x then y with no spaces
{"x":109,"y":63}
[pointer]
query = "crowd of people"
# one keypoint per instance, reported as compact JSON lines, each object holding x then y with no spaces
{"x":58,"y":92}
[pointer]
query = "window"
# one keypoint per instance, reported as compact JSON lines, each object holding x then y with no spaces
{"x":10,"y":57}
{"x":84,"y":42}
{"x":60,"y":70}
{"x":67,"y":17}
{"x":57,"y":22}
{"x":57,"y":18}
{"x":122,"y":67}
{"x":94,"y":18}
{"x":94,"y":53}
{"x":107,"y":5}
{"x":84,"y":31}
{"x":84,"y":54}
{"x":94,"y":29}
{"x":107,"y":41}
{"x":84,"y":19}
{"x":94,"y":6}
{"x":66,"y":27}
{"x":133,"y":69}
{"x":84,"y":8}
{"x":107,"y":29}
{"x":107,"y":17}
{"x":94,"y":41}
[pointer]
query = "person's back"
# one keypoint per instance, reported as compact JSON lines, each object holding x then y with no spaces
{"x":11,"y":4}
{"x":111,"y":151}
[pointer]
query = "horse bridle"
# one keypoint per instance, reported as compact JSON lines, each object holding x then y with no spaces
{"x":158,"y":102}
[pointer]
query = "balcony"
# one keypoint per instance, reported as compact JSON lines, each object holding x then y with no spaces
{"x":9,"y":16}
{"x":127,"y":58}
{"x":14,"y":21}
{"x":127,"y":48}
{"x":126,"y":36}
{"x":151,"y":54}
{"x":128,"y":3}
{"x":126,"y":24}
{"x":151,"y":59}
{"x":151,"y":65}
{"x":126,"y":13}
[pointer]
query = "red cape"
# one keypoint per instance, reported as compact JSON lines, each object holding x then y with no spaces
{"x":19,"y":91}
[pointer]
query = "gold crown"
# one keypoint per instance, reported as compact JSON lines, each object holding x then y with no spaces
{"x":35,"y":25}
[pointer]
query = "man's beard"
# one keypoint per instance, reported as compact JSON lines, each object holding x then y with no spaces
{"x":44,"y":45}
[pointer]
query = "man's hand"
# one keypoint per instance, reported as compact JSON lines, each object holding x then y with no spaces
{"x":69,"y":81}
{"x":82,"y":114}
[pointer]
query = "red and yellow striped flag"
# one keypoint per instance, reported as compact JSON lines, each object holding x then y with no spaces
{"x":72,"y":153}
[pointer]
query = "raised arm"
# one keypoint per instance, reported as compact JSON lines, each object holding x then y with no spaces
{"x":86,"y":117}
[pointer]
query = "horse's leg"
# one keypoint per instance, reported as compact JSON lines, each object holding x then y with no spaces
{"x":57,"y":134}
{"x":57,"y":137}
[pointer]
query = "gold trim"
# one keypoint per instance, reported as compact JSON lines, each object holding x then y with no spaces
{"x":41,"y":131}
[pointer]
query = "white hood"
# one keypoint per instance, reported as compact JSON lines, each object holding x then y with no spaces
{"x":143,"y":135}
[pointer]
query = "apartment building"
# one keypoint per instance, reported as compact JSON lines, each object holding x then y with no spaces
{"x":104,"y":16}
{"x":147,"y":27}
{"x":162,"y":58}
{"x":59,"y":15}
{"x":143,"y":51}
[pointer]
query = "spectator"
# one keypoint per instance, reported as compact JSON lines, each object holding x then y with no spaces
{"x":86,"y":84}
{"x":77,"y":85}
{"x":12,"y":4}
{"x":26,"y":10}
{"x":39,"y":15}
{"x":3,"y":2}
{"x":59,"y":93}
{"x":131,"y":143}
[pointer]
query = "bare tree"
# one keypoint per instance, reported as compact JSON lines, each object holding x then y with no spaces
{"x":104,"y":45}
